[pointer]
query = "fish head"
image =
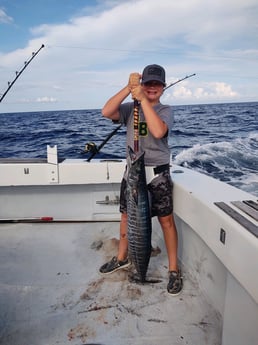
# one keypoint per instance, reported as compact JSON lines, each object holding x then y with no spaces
{"x":135,"y":164}
{"x":135,"y":159}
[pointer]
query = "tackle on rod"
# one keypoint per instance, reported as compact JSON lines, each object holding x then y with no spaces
{"x":18,"y":73}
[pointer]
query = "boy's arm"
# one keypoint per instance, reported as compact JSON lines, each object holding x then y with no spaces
{"x":111,"y":108}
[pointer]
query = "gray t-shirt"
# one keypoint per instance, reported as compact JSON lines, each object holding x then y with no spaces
{"x":156,"y":151}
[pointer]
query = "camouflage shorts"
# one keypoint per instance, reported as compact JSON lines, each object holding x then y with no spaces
{"x":160,"y":195}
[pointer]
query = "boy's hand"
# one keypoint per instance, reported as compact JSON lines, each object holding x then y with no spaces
{"x":134,"y":80}
{"x":137,"y":93}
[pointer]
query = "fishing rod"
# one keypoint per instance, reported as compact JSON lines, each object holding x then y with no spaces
{"x":136,"y":109}
{"x":18,"y":73}
{"x":178,"y":81}
{"x":94,"y":149}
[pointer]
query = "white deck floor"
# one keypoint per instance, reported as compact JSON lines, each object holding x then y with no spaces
{"x":51,"y":292}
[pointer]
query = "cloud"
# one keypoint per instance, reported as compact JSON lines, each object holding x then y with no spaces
{"x":126,"y":26}
{"x":214,"y":91}
{"x":224,"y":90}
{"x":4,"y":18}
{"x":89,"y":57}
{"x":46,"y":99}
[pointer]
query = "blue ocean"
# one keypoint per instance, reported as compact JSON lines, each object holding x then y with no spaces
{"x":220,"y":140}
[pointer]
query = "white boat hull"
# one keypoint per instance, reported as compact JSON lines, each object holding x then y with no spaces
{"x":50,"y":287}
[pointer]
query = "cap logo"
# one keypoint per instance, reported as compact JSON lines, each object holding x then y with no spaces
{"x":154,"y":71}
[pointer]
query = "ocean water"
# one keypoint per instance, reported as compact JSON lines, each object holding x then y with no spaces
{"x":220,"y":140}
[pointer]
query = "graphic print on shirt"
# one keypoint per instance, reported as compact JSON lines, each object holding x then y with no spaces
{"x":143,"y":129}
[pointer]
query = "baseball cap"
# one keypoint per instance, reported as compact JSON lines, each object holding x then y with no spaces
{"x":154,"y":73}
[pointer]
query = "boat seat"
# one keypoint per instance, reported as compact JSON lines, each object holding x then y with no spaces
{"x":249,"y":207}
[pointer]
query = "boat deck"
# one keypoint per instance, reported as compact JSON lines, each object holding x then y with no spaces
{"x":51,"y":292}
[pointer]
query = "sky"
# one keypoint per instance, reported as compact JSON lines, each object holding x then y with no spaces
{"x":91,"y":47}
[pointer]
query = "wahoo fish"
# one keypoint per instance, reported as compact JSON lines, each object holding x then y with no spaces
{"x":139,"y":227}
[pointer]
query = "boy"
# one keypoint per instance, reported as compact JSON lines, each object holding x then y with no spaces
{"x":155,"y":121}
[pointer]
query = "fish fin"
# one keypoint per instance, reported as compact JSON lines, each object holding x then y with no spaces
{"x":132,"y":154}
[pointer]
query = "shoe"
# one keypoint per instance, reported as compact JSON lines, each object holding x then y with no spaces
{"x":175,"y":283}
{"x":114,"y":265}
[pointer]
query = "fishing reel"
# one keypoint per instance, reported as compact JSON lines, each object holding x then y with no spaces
{"x":90,"y":147}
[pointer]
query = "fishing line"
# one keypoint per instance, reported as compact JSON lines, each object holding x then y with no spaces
{"x":158,"y":51}
{"x":112,"y":49}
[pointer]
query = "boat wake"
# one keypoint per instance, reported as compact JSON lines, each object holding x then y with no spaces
{"x":234,"y":162}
